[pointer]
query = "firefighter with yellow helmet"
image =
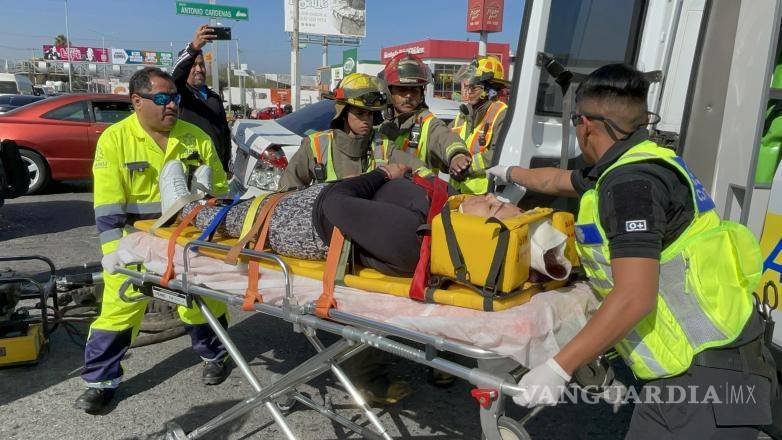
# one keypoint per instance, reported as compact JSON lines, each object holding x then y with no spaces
{"x":480,"y":121}
{"x":351,"y":146}
{"x":411,"y":126}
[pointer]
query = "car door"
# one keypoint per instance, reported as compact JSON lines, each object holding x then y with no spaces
{"x":63,"y":140}
{"x":105,"y":113}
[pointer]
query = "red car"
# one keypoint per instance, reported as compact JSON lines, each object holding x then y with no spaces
{"x":57,"y":136}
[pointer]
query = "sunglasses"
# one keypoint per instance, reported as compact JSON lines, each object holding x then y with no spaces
{"x":161,"y":98}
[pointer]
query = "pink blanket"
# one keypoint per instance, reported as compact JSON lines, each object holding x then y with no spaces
{"x":530,"y":333}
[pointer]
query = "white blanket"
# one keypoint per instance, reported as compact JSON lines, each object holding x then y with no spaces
{"x":530,"y":333}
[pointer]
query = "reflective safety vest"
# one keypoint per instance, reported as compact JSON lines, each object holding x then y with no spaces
{"x":320,"y":143}
{"x":477,"y":142}
{"x":424,"y":120}
{"x":706,"y":277}
{"x":126,"y":169}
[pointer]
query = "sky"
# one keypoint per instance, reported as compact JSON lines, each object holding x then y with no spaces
{"x":25,"y":26}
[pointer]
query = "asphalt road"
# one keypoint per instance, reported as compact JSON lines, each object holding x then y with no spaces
{"x":162,"y":381}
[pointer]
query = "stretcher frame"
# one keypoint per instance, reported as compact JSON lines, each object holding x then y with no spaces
{"x":492,"y":378}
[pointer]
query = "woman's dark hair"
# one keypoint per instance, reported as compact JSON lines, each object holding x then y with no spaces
{"x":614,"y":82}
{"x":141,"y":80}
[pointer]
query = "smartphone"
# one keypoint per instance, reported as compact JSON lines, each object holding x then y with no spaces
{"x":221,"y":32}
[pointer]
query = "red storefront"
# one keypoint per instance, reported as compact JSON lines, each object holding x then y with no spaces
{"x":445,"y":58}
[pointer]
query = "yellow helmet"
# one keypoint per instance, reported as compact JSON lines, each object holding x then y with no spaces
{"x":361,"y":90}
{"x":484,"y":69}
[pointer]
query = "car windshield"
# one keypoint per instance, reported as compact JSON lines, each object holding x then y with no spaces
{"x":8,"y":87}
{"x":314,"y":117}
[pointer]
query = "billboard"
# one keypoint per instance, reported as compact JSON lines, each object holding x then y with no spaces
{"x":134,"y":56}
{"x":88,"y":54}
{"x":344,"y":18}
{"x":484,"y":15}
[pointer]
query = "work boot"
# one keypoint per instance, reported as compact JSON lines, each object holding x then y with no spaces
{"x":94,"y":400}
{"x":202,"y":180}
{"x":173,"y":184}
{"x":383,"y":391}
{"x":215,"y":372}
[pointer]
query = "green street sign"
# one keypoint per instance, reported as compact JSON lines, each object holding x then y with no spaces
{"x":212,"y":11}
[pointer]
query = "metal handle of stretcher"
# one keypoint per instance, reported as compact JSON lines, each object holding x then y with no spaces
{"x":252,"y":253}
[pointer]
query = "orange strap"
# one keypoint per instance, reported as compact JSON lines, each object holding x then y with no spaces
{"x":326,"y":301}
{"x":233,"y":255}
{"x":251,"y":294}
{"x":169,"y":273}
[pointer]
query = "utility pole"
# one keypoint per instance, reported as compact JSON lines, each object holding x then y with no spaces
{"x":68,"y":43}
{"x":228,"y":72}
{"x":215,"y":73}
{"x":106,"y":64}
{"x":242,"y":93}
{"x":295,"y":58}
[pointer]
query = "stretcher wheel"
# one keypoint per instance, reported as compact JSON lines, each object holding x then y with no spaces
{"x":511,"y":430}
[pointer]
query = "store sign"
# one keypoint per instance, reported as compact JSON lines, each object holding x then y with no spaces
{"x":394,"y":51}
{"x":349,"y":61}
{"x":281,"y":96}
{"x":212,"y":11}
{"x":485,"y":15}
{"x":343,"y":18}
{"x":88,"y":54}
{"x":135,"y":56}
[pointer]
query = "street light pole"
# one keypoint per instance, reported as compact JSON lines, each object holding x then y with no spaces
{"x":228,"y":73}
{"x":242,"y":93}
{"x":68,"y":44}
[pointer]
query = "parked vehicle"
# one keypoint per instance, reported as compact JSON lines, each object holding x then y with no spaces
{"x":10,"y":102}
{"x":57,"y":136}
{"x":260,"y":149}
{"x":15,"y":84}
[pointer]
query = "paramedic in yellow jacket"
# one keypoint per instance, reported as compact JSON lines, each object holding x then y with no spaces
{"x":480,"y":120}
{"x":676,"y":283}
{"x":414,"y":128}
{"x":128,"y":160}
{"x":351,"y":146}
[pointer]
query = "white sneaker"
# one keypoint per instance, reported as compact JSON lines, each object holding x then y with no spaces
{"x":173,"y":184}
{"x":202,"y":180}
{"x":174,"y":193}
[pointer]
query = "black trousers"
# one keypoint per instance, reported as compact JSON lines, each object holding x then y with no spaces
{"x":381,"y":218}
{"x":703,"y":403}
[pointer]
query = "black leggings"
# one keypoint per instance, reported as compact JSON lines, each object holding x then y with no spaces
{"x":381,"y":218}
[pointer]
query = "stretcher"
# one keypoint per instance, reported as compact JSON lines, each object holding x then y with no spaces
{"x":503,"y":343}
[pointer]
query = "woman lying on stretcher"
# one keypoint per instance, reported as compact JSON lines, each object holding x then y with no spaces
{"x":382,"y":212}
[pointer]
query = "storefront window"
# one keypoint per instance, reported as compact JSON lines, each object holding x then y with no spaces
{"x":445,"y":86}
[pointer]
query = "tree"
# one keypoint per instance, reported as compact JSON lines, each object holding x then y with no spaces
{"x":60,"y":40}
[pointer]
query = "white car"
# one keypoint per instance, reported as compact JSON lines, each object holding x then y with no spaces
{"x":261,"y":148}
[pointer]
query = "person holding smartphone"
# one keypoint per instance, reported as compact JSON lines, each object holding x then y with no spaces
{"x":201,"y":105}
